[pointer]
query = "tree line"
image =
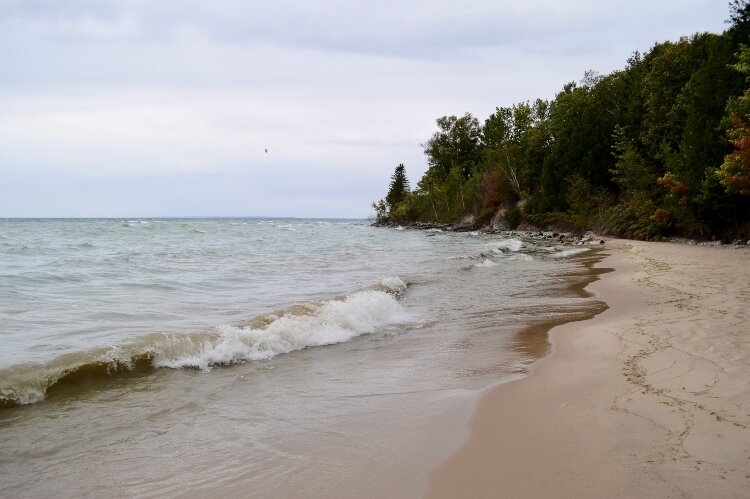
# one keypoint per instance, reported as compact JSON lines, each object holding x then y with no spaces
{"x":661,"y":147}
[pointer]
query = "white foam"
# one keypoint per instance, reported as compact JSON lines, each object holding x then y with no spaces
{"x":335,"y":321}
{"x":486,"y":263}
{"x":510,"y":244}
{"x":393,"y":285}
{"x":569,"y":252}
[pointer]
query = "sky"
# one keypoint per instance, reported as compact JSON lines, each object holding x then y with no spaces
{"x":139,"y":108}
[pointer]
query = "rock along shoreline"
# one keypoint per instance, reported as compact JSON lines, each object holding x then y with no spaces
{"x":559,"y":237}
{"x":562,"y":237}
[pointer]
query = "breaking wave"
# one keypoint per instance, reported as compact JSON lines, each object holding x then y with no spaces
{"x":510,"y":245}
{"x":297,"y":327}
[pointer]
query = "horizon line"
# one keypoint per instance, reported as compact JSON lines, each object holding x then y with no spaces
{"x":181,"y":217}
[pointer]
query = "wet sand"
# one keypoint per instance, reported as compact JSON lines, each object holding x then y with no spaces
{"x":650,"y":398}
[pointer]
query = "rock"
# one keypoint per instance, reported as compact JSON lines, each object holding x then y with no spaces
{"x":501,"y":225}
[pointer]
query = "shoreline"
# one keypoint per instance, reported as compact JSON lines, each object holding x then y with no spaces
{"x":573,"y":237}
{"x":648,"y":398}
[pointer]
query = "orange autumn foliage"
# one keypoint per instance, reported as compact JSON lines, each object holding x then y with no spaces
{"x":679,"y":189}
{"x":735,"y":172}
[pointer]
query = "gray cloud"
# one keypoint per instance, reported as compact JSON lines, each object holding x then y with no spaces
{"x":96,"y":91}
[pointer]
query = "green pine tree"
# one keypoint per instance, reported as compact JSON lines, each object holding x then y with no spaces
{"x":399,"y":188}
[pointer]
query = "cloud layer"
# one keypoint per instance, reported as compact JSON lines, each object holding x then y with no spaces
{"x":166,"y":108}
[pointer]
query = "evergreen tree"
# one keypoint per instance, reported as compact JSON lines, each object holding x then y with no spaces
{"x":399,"y":188}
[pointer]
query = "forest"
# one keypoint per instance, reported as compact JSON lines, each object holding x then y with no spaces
{"x":660,"y":148}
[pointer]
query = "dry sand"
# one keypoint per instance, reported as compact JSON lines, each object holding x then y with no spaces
{"x":651,"y":398}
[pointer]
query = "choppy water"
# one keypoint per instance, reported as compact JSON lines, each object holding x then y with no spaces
{"x":287,"y":357}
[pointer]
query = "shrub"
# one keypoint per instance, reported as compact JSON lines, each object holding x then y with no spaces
{"x":513,"y":216}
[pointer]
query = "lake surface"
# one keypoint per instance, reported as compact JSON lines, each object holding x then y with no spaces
{"x":262,"y":357}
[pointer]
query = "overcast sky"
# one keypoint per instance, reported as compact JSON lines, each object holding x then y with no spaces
{"x":166,"y":108}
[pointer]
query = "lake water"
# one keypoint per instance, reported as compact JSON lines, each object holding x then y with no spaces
{"x":260,"y":357}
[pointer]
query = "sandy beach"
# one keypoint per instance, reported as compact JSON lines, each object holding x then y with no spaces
{"x":651,"y":398}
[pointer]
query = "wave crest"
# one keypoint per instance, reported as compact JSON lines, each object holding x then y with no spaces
{"x":297,"y":327}
{"x":332,"y":322}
